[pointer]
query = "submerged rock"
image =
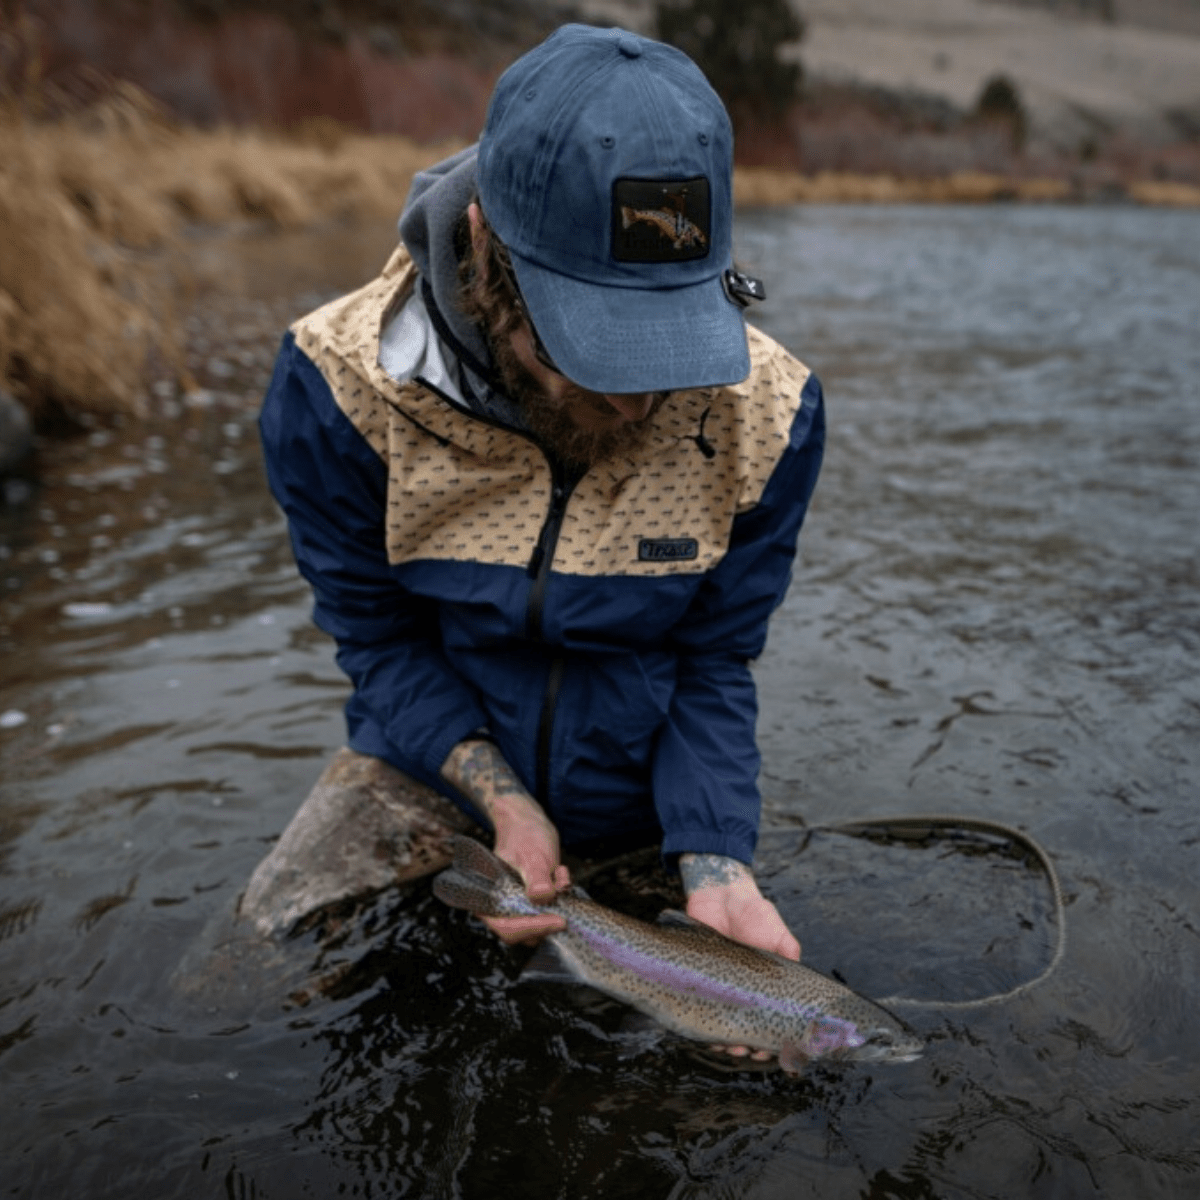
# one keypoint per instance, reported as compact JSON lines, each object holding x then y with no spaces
{"x":366,"y":829}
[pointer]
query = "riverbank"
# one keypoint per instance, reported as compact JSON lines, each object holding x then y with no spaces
{"x":97,"y":270}
{"x":764,"y":185}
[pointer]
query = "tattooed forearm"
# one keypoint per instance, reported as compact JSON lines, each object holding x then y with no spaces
{"x":710,"y":870}
{"x":478,"y":770}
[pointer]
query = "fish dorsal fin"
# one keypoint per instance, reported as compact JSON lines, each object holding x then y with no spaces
{"x":672,"y":918}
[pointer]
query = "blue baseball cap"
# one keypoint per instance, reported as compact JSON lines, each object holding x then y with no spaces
{"x":606,"y":168}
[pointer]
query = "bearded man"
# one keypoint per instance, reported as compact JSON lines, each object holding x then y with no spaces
{"x":547,"y":485}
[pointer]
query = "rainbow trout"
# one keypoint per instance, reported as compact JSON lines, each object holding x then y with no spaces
{"x":686,"y":976}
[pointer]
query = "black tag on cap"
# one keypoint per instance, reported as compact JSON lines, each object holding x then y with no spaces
{"x":661,"y":220}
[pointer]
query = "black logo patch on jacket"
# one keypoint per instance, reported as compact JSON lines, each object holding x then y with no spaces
{"x":668,"y":549}
{"x":660,"y":220}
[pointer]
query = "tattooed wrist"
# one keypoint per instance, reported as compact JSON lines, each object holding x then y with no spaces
{"x":710,"y":870}
{"x":478,"y":770}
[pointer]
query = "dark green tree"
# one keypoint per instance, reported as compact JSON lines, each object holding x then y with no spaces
{"x":737,"y":46}
{"x":1000,"y":101}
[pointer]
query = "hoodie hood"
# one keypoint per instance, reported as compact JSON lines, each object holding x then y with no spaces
{"x":436,"y":203}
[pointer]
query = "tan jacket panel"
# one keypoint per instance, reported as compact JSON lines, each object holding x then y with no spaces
{"x":461,"y":488}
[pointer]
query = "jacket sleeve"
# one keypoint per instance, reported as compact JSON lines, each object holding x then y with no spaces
{"x":707,"y":760}
{"x":332,"y":486}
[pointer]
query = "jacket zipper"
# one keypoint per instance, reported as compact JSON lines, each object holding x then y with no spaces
{"x":538,"y":570}
{"x":545,"y":732}
{"x":543,"y":552}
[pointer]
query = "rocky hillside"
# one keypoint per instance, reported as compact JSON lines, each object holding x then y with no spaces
{"x":1082,"y":81}
{"x":1088,"y":72}
{"x":423,"y":68}
{"x":891,"y":84}
{"x":1180,"y":16}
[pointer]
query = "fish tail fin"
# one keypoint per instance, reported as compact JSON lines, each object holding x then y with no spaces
{"x":475,"y":858}
{"x":478,"y":881}
{"x":461,"y":890}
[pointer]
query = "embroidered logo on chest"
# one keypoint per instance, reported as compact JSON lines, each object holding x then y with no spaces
{"x":668,"y":549}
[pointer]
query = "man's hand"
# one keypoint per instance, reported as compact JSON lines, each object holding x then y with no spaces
{"x":525,"y":837}
{"x":722,"y":893}
{"x":527,"y":841}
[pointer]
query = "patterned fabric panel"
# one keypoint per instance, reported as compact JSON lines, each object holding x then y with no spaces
{"x":463,"y":489}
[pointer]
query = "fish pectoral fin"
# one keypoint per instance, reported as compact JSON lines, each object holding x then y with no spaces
{"x":721,"y":1061}
{"x":547,"y":966}
{"x":792,"y":1059}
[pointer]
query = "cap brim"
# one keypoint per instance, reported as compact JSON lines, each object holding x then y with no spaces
{"x":622,"y":340}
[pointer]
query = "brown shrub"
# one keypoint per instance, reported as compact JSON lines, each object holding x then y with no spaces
{"x":93,"y":203}
{"x":76,"y":330}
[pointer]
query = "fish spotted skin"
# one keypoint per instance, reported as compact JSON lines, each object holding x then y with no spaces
{"x":687,"y":976}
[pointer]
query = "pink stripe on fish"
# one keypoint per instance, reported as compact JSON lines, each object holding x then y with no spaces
{"x":831,"y":1032}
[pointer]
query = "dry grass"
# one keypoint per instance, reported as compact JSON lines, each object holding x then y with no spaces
{"x":1165,"y":193}
{"x":761,"y":185}
{"x":73,"y":324}
{"x":92,"y":206}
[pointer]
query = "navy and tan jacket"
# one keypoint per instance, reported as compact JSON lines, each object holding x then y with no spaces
{"x":601,"y":632}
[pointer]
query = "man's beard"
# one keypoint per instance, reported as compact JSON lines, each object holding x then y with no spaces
{"x":551,"y":421}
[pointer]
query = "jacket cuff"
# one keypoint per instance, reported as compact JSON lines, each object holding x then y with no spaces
{"x":707,"y":841}
{"x":438,"y":749}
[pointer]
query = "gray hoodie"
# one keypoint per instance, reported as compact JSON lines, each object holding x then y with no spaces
{"x":429,"y":226}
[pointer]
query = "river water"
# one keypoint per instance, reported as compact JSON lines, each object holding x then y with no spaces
{"x":996,"y":616}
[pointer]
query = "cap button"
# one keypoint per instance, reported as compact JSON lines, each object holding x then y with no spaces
{"x":629,"y":46}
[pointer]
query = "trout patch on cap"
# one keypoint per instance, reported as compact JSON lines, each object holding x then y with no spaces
{"x":660,"y":220}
